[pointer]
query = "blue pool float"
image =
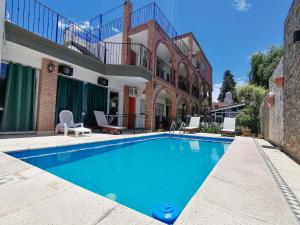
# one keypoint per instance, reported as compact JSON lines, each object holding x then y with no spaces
{"x":166,"y":213}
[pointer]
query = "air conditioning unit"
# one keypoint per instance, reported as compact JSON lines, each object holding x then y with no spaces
{"x":65,"y":70}
{"x":102,"y":81}
{"x":133,"y":91}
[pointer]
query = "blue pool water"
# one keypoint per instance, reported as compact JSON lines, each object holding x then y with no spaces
{"x":140,"y":175}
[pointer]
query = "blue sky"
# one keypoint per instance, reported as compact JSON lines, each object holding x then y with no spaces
{"x":229,"y":31}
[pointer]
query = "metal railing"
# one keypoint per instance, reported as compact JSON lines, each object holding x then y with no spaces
{"x":164,"y":71}
{"x":184,"y":84}
{"x":109,"y":29}
{"x":43,"y":21}
{"x":39,"y":19}
{"x":138,"y":54}
{"x":163,"y":123}
{"x":133,"y":122}
{"x":153,"y":12}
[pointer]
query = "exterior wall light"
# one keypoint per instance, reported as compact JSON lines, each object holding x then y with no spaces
{"x":51,"y":67}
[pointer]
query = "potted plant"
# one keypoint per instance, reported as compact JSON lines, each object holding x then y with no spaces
{"x":244,"y":121}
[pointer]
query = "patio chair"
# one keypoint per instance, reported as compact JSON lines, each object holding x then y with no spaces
{"x":228,"y":126}
{"x":194,"y":125}
{"x":103,"y":124}
{"x":66,"y":124}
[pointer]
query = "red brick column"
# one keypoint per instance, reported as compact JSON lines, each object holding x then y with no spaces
{"x":149,"y":123}
{"x":45,"y":122}
{"x":125,"y":36}
{"x":125,"y":104}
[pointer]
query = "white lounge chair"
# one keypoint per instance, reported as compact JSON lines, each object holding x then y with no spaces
{"x":103,"y":124}
{"x":228,"y":126}
{"x":194,"y":124}
{"x":66,"y":124}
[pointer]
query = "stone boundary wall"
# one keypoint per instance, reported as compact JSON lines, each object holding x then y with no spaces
{"x":291,"y":93}
{"x":276,"y":111}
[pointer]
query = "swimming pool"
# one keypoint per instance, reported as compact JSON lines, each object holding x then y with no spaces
{"x":140,"y":173}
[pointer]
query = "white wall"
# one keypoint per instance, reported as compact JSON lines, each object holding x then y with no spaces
{"x":26,"y":56}
{"x":2,"y":20}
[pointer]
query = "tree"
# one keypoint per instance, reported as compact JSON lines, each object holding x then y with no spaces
{"x":228,"y":85}
{"x":263,"y":65}
{"x":253,"y":97}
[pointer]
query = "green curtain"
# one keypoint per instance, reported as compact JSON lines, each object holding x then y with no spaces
{"x":18,"y":114}
{"x":96,"y":101}
{"x":69,"y":97}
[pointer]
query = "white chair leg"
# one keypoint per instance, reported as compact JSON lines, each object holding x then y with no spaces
{"x":76,"y":134}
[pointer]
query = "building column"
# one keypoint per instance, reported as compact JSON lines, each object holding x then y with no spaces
{"x":149,"y":123}
{"x":2,"y":22}
{"x":46,"y":105}
{"x":126,"y":48}
{"x":125,"y":104}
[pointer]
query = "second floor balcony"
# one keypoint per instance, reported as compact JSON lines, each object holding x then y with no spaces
{"x":164,"y":71}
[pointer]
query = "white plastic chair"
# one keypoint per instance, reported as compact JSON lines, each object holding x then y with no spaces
{"x":102,"y":123}
{"x":228,"y":126}
{"x":194,"y":124}
{"x":66,"y":124}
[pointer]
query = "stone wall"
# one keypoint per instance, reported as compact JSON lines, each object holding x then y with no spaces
{"x":276,"y":111}
{"x":291,"y":95}
{"x":264,"y":119}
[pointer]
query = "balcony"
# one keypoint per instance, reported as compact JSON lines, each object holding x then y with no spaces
{"x":153,"y":12}
{"x":184,"y":84}
{"x":164,"y":71}
{"x":37,"y":18}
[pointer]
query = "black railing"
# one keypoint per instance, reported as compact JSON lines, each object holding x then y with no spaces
{"x":163,"y":123}
{"x":43,"y":21}
{"x":138,"y":54}
{"x":153,"y":12}
{"x":195,"y":91}
{"x":39,"y":19}
{"x":109,"y":29}
{"x":164,"y":71}
{"x":184,"y":84}
{"x":133,"y":122}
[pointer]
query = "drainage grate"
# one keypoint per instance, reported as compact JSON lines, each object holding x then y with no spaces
{"x":269,"y":146}
{"x":287,"y":192}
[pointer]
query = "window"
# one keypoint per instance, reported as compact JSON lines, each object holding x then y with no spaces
{"x":3,"y":75}
{"x":143,"y":107}
{"x":159,"y":109}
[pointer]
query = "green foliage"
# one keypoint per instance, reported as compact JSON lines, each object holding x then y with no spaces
{"x":253,"y":96}
{"x":263,"y":65}
{"x":244,"y":118}
{"x":228,"y":85}
{"x":213,"y":128}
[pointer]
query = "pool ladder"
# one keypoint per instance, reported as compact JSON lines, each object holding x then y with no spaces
{"x":182,"y":127}
{"x":173,"y":127}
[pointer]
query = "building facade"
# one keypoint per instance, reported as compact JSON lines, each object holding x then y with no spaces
{"x":136,"y":69}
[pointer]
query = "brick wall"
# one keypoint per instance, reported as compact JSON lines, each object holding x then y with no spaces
{"x":291,"y":68}
{"x":46,"y":98}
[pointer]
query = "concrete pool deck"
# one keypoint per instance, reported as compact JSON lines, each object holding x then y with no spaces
{"x":240,"y":190}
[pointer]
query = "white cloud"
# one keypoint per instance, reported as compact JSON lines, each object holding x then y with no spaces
{"x":216,"y":91}
{"x":241,"y":5}
{"x":85,"y":25}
